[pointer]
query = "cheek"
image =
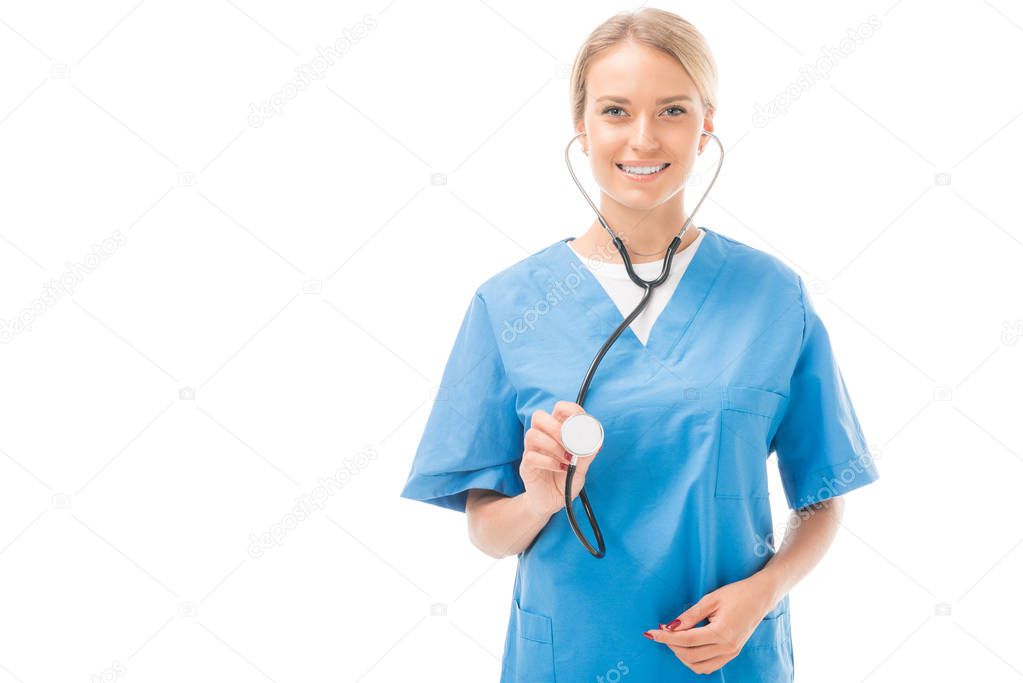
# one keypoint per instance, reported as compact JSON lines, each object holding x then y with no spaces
{"x":604,"y":139}
{"x":601,"y":148}
{"x":603,"y":172}
{"x":601,"y":158}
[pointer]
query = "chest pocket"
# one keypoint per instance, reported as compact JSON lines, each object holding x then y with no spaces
{"x":748,"y":419}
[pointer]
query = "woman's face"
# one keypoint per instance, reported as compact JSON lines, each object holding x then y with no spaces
{"x":642,"y":109}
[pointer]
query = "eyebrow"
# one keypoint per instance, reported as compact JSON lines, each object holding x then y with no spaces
{"x":622,"y":100}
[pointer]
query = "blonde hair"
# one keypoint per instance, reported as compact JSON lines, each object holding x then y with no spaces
{"x":656,"y":28}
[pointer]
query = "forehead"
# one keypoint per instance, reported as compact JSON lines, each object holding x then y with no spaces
{"x":637,"y":72}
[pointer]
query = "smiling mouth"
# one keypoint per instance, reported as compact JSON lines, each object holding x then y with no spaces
{"x":643,"y":170}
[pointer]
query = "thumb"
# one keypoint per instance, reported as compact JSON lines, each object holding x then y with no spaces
{"x":694,"y":615}
{"x":583,"y":464}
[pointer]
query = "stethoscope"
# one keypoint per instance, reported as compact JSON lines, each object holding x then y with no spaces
{"x":582,"y":435}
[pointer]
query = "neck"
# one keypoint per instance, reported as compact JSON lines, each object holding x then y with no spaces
{"x":642,"y":231}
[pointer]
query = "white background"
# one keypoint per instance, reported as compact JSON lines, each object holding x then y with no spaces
{"x":285,"y":296}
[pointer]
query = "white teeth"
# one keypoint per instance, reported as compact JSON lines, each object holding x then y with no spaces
{"x":642,"y":170}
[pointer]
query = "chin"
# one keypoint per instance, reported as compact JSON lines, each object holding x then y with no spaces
{"x":636,"y":203}
{"x":644,"y":198}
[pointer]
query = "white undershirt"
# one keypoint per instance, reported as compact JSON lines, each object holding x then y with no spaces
{"x":626,"y":294}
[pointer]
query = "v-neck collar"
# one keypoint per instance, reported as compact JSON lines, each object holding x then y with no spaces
{"x":673,"y":322}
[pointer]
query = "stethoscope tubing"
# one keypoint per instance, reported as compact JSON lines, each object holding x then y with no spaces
{"x":648,"y":287}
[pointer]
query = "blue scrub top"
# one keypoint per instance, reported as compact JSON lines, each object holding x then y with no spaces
{"x":737,"y":366}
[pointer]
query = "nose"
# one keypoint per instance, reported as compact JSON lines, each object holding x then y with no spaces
{"x":642,"y":138}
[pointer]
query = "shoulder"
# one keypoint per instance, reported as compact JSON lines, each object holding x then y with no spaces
{"x":756,"y":266}
{"x":522,"y":279}
{"x":514,"y":298}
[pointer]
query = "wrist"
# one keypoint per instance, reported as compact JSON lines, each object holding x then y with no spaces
{"x":769,"y":587}
{"x":537,"y":509}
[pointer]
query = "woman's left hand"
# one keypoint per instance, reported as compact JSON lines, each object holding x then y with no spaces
{"x":734,"y":611}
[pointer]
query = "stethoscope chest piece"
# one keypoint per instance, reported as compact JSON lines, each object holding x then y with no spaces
{"x":582,"y":435}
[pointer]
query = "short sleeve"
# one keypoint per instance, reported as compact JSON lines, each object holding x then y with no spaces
{"x":473,"y":436}
{"x":820,"y":445}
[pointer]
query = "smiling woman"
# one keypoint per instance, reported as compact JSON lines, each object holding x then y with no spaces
{"x":643,"y":89}
{"x":728,"y":362}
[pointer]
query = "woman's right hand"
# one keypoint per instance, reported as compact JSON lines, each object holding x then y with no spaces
{"x":545,"y":462}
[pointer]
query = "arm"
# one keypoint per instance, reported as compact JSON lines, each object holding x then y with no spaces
{"x":502,"y":525}
{"x":811,"y":531}
{"x":736,"y":609}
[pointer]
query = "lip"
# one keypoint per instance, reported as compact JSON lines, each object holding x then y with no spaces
{"x":642,"y":178}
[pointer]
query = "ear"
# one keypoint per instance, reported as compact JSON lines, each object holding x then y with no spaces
{"x":579,"y":128}
{"x":708,"y":125}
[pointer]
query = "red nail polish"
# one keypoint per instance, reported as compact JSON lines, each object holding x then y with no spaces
{"x":648,"y":635}
{"x":672,"y":625}
{"x":564,"y":467}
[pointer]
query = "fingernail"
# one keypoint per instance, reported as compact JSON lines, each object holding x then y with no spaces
{"x":564,"y":466}
{"x":648,"y":635}
{"x":568,"y":458}
{"x":672,"y":625}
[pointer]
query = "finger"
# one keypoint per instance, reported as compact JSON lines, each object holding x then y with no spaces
{"x":583,"y":463}
{"x":541,"y":442}
{"x":566,"y":409}
{"x":695,"y":655}
{"x":694,"y":637}
{"x":542,"y":461}
{"x":662,"y":636}
{"x":711,"y":665}
{"x":549,"y":425}
{"x":706,"y":653}
{"x":695,"y":614}
{"x":537,"y":418}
